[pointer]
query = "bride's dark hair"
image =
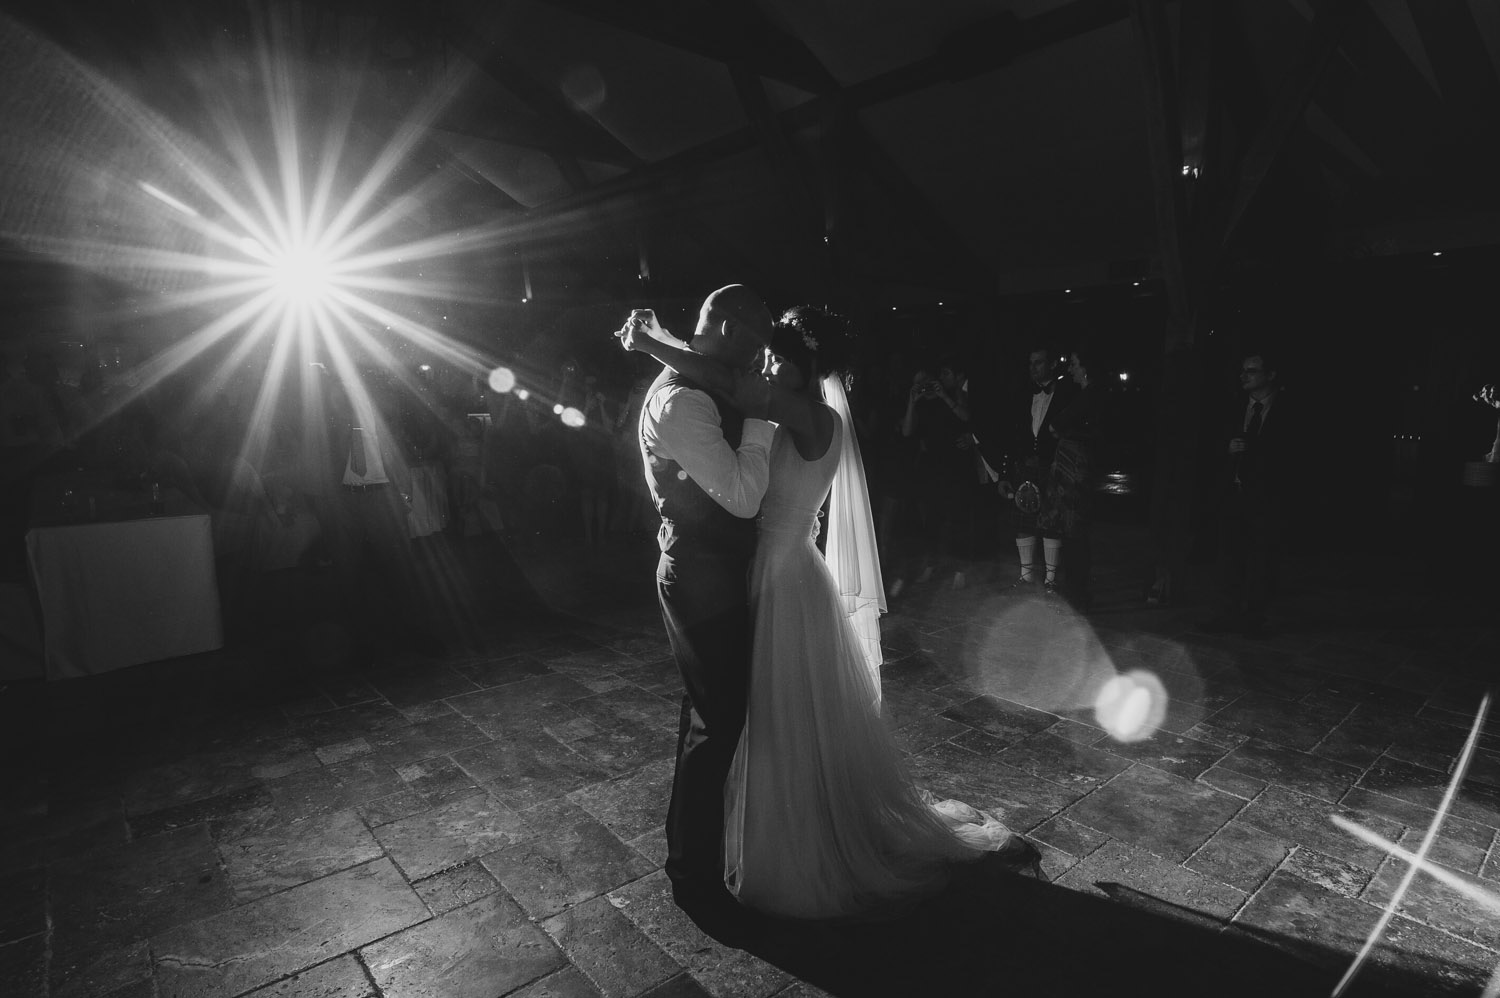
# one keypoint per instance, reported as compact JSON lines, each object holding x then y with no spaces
{"x":816,"y":340}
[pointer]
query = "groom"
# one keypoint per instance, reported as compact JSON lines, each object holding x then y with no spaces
{"x":707,"y":468}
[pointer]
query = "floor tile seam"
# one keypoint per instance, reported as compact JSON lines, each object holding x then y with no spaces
{"x":1400,"y":866}
{"x":1280,"y":866}
{"x":1492,"y":853}
{"x":353,"y":954}
{"x":1134,"y":847}
{"x":155,"y":960}
{"x":599,"y":985}
{"x":1149,"y":764}
{"x":1063,"y":811}
{"x":1385,"y":756}
{"x":1288,"y":786}
{"x":1343,"y":802}
{"x":492,"y":740}
{"x":538,"y":919}
{"x":1451,"y":812}
{"x":245,"y":903}
{"x":445,"y":755}
{"x":1249,"y":897}
{"x":1493,"y":947}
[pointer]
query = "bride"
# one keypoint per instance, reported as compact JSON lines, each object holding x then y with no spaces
{"x":822,"y":818}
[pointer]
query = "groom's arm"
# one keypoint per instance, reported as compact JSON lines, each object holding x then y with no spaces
{"x":686,"y":429}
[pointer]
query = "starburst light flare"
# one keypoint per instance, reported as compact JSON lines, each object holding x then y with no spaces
{"x":288,"y":226}
{"x":1417,"y":861}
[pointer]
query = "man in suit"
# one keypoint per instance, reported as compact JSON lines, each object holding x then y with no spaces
{"x":1259,"y":454}
{"x":1032,"y":448}
{"x":707,"y":468}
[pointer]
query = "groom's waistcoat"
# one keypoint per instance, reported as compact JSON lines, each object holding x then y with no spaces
{"x":687,"y":513}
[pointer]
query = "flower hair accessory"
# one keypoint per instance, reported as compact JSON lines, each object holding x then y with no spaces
{"x":809,"y":341}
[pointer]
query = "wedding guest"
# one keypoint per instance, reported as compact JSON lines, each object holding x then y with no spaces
{"x":591,"y":453}
{"x":148,"y":457}
{"x":28,"y":423}
{"x":1071,"y":478}
{"x":633,"y":511}
{"x":937,"y":420}
{"x":1032,"y":451}
{"x":365,"y":489}
{"x":1488,"y":396}
{"x":466,"y":477}
{"x":892,"y":466}
{"x":1259,"y":460}
{"x":989,"y":398}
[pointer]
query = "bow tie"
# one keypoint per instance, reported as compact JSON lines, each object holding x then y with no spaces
{"x":1042,"y":389}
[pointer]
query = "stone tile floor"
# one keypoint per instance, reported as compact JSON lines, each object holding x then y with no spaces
{"x":487,"y":822}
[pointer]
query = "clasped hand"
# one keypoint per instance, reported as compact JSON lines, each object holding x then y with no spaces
{"x":1488,"y":396}
{"x":640,"y":328}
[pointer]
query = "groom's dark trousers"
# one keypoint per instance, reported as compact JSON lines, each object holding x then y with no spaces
{"x":702,"y":582}
{"x":704,"y":607}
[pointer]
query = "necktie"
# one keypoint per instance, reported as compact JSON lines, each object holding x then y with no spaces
{"x":1042,"y":389}
{"x":357,"y":451}
{"x":1252,"y":431}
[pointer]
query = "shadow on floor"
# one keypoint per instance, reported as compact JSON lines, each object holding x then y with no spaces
{"x":1001,"y":934}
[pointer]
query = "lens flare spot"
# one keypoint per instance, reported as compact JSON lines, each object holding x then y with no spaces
{"x":1131,"y":707}
{"x":522,"y":394}
{"x":557,"y":410}
{"x":1024,"y":651}
{"x":502,"y":380}
{"x":572,"y":417}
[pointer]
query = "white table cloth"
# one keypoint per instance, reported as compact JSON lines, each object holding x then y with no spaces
{"x":119,"y":593}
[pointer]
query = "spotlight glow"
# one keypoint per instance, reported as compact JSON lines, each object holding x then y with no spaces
{"x":572,"y":417}
{"x":557,"y":410}
{"x":301,"y":274}
{"x":283,"y":230}
{"x":502,"y":380}
{"x":522,"y":394}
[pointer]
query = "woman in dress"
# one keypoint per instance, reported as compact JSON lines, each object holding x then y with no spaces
{"x":822,"y":818}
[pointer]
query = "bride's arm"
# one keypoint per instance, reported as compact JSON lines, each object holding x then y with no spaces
{"x":709,"y":373}
{"x":746,"y":391}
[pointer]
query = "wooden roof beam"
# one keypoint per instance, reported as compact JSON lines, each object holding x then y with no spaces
{"x":729,"y":31}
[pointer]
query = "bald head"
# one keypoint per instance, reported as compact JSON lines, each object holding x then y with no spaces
{"x":734,"y":325}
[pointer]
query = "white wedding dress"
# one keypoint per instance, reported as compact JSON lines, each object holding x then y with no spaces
{"x":822,"y":819}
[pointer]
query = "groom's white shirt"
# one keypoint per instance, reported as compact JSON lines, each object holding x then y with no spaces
{"x":682,"y":424}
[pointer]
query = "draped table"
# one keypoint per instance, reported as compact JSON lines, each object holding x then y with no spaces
{"x":120,"y":581}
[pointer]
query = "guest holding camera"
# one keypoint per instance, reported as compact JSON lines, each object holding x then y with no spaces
{"x":937,"y":418}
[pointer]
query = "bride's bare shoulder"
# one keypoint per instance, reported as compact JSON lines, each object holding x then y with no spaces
{"x":825,"y":423}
